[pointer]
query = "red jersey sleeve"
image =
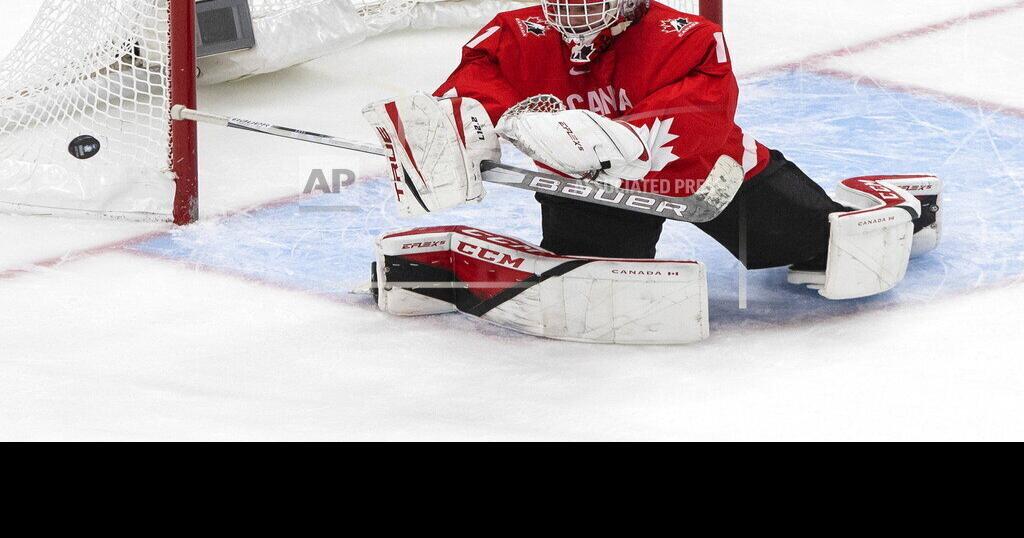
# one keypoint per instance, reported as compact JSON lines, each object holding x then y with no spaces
{"x":690,"y":119}
{"x":479,"y":75}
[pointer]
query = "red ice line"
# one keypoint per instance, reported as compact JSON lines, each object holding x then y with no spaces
{"x":883,"y":41}
{"x":813,"y":62}
{"x":77,"y":255}
{"x":125,"y":244}
{"x":807,"y":63}
{"x":239,"y":275}
{"x":902,"y":87}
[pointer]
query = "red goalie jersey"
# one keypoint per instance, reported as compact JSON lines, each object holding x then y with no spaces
{"x":668,"y":74}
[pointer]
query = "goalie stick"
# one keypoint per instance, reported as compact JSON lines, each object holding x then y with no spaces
{"x":714,"y":195}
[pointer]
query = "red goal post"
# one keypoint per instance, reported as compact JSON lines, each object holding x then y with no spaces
{"x":713,"y":10}
{"x":184,"y":150}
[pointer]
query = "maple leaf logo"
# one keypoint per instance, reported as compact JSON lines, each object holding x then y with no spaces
{"x":533,"y":26}
{"x":677,"y":26}
{"x":582,"y":53}
{"x":659,"y":138}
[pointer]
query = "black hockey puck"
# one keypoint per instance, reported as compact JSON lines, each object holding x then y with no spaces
{"x":84,"y":147}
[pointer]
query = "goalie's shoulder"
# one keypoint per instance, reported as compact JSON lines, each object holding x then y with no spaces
{"x":526,"y":22}
{"x":507,"y":26}
{"x":671,"y":26}
{"x":673,"y":43}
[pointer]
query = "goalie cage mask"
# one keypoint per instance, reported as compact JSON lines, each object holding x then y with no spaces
{"x":589,"y":26}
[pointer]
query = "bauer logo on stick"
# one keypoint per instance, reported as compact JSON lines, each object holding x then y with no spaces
{"x":84,"y":147}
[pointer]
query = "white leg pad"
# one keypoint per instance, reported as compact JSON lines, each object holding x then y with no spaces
{"x":519,"y":286}
{"x":869,"y":249}
{"x":615,"y":302}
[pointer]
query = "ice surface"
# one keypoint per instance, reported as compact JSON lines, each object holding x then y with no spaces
{"x":242,"y":327}
{"x":833,"y":129}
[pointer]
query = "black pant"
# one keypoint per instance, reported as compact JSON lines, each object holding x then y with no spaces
{"x":778,"y":218}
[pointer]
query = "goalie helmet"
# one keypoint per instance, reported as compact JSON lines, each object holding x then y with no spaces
{"x":582,"y":19}
{"x":589,"y":25}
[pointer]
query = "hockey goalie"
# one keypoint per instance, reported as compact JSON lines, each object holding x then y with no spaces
{"x":636,"y":95}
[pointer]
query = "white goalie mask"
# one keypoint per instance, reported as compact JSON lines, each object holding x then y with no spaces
{"x":582,"y":20}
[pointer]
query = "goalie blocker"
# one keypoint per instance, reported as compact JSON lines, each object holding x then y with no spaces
{"x":435,"y":147}
{"x":514,"y":284}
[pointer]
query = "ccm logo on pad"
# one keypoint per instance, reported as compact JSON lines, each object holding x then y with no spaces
{"x":489,"y":255}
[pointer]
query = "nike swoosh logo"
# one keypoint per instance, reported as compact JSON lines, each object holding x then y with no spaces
{"x":577,"y":72}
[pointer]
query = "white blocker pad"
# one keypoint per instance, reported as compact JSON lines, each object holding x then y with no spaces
{"x":869,"y":249}
{"x":435,"y":147}
{"x":522,"y":287}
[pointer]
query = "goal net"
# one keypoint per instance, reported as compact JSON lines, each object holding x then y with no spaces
{"x":84,"y":112}
{"x":85,"y":100}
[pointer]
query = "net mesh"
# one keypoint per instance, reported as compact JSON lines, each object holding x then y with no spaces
{"x":88,"y":69}
{"x":383,"y":16}
{"x":543,"y":104}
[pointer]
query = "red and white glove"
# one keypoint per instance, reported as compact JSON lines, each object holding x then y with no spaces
{"x":580,"y":143}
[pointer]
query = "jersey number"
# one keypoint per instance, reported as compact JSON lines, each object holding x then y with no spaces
{"x":723,"y":52}
{"x":483,"y":37}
